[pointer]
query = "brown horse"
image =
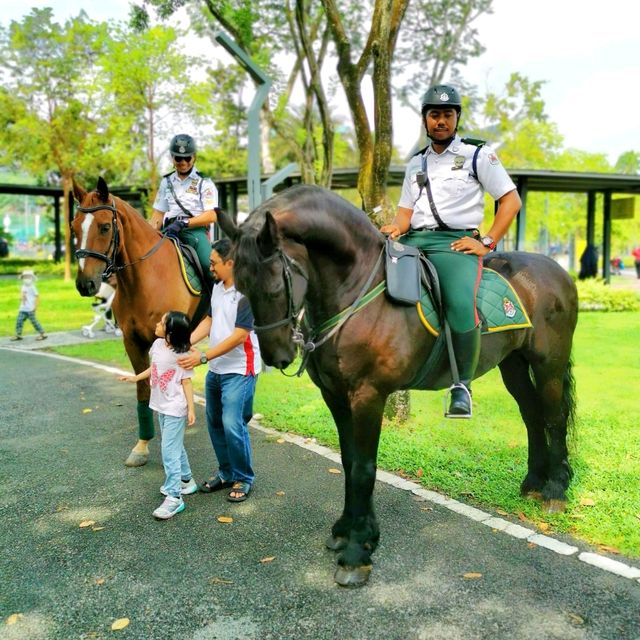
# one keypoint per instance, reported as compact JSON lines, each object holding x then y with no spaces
{"x":112,"y":237}
{"x":307,"y":248}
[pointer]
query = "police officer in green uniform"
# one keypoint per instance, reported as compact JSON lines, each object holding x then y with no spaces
{"x":185,"y":202}
{"x":440,"y":210}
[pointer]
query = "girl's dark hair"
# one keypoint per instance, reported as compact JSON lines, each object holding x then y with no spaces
{"x":223,"y":247}
{"x":177,"y":328}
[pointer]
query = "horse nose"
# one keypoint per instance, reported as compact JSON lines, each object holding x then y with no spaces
{"x":86,"y":287}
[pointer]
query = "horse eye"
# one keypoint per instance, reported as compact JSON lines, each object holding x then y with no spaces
{"x":105,"y":228}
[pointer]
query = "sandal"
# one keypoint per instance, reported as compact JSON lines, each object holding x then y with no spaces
{"x":242,"y":491}
{"x":214,"y":483}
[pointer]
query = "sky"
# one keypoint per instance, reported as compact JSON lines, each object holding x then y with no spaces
{"x":586,"y":51}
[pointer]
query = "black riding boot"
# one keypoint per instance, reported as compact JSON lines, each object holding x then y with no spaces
{"x":466,"y":347}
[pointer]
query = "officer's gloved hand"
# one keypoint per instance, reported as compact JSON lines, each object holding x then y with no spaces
{"x":174,"y":229}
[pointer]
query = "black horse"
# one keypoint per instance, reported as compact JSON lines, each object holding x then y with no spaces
{"x":308,"y":249}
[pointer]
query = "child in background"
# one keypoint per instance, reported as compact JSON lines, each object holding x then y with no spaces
{"x":28,"y":305}
{"x":172,"y":399}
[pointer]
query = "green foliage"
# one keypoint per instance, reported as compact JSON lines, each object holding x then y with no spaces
{"x":595,"y":295}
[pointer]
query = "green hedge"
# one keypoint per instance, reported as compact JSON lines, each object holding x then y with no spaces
{"x":595,"y":295}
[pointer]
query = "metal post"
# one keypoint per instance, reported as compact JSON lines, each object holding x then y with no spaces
{"x":606,"y":237}
{"x":591,"y":217}
{"x":263,"y":83}
{"x":521,"y":218}
{"x":277,"y":178}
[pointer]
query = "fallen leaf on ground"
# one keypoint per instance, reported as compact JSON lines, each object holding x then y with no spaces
{"x":279,"y":493}
{"x":97,"y":528}
{"x":587,"y":502}
{"x":268,"y":559}
{"x":280,"y":440}
{"x":334,"y":470}
{"x":608,"y":549}
{"x":426,"y":508}
{"x":522,"y":517}
{"x":216,"y":580}
{"x":120,"y":623}
{"x":86,"y":523}
{"x":225,"y":519}
{"x":99,"y":580}
{"x":87,"y":410}
{"x":472,"y":575}
{"x":13,"y":618}
{"x":532,"y":545}
{"x":575,"y":618}
{"x":501,"y":512}
{"x":420,"y":473}
{"x":544,"y":526}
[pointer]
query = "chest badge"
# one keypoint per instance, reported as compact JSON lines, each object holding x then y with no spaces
{"x":458,"y":163}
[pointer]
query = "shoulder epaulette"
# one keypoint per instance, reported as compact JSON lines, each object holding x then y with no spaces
{"x":419,"y":153}
{"x":166,"y":175}
{"x":474,"y":141}
{"x":200,"y":175}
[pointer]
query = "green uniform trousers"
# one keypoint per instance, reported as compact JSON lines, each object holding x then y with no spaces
{"x":459,"y":275}
{"x":198,"y":238}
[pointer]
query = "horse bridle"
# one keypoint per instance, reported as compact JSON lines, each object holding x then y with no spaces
{"x":294,"y":310}
{"x":114,"y":244}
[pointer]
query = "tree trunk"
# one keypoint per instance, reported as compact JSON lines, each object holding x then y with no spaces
{"x":398,"y":406}
{"x":67,"y":188}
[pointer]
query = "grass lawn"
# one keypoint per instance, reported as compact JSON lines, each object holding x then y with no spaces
{"x":481,"y":461}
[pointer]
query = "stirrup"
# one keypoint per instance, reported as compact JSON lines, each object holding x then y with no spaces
{"x":464,"y":416}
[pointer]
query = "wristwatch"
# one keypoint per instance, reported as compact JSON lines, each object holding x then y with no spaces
{"x":488,"y":242}
{"x":203,"y":358}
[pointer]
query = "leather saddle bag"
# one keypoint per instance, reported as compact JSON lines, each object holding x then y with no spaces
{"x":403,"y":272}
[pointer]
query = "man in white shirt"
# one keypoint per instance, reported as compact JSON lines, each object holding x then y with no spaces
{"x":234,"y":363}
{"x":440,"y":210}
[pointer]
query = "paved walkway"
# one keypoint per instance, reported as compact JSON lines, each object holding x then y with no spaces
{"x":55,"y":339}
{"x":438,"y":574}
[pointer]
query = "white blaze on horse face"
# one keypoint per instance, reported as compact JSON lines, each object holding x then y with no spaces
{"x":86,"y":225}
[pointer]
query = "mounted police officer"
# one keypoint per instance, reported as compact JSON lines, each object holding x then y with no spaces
{"x":440,"y":210}
{"x":184,"y":205}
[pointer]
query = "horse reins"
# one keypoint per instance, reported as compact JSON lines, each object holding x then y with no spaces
{"x":113,"y":244}
{"x":295,"y":312}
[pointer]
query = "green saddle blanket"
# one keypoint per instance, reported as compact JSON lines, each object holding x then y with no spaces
{"x":189,"y":274}
{"x":499,"y":306}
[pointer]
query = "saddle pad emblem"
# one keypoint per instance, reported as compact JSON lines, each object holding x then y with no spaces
{"x":509,"y":308}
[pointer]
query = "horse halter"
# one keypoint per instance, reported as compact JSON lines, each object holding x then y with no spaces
{"x":113,"y":244}
{"x":294,"y":310}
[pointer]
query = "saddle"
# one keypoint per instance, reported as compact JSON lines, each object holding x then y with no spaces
{"x":412,"y":279}
{"x":190,"y":267}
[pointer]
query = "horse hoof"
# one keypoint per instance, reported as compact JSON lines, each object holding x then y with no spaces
{"x":336,"y":543}
{"x":136,"y":459}
{"x":534,"y":495}
{"x":352,"y":576}
{"x":555,"y":506}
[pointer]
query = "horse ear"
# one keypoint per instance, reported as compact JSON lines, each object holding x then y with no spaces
{"x":268,"y":236}
{"x":227,"y":224}
{"x":102,"y":189}
{"x":78,"y":192}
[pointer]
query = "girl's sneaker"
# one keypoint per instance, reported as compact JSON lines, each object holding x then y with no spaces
{"x":169,"y":508}
{"x":186,"y":488}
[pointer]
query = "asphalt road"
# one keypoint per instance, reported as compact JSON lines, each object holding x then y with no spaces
{"x":195,"y":578}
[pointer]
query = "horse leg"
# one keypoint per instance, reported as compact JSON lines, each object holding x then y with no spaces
{"x":556,"y":390}
{"x":360,"y":438}
{"x":517,"y":379}
{"x":139,"y":357}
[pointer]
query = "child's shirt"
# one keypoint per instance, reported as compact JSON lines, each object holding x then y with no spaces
{"x":28,"y":296}
{"x":167,"y":394}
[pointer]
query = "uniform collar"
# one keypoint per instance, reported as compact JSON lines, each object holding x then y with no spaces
{"x":454,"y":147}
{"x":192,"y":174}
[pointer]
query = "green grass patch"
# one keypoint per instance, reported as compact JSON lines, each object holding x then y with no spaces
{"x":481,"y":461}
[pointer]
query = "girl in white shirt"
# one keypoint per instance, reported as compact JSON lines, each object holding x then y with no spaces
{"x":172,"y":399}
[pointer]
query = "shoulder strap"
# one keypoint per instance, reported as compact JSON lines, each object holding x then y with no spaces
{"x":166,"y":175}
{"x":476,"y":142}
{"x":175,"y":197}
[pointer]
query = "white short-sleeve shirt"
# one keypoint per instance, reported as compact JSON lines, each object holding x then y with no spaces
{"x":230,"y":309}
{"x":457,"y":193}
{"x":167,"y":393}
{"x":28,"y":297}
{"x":197,"y":194}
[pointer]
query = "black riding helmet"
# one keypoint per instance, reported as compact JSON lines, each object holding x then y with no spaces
{"x":441,"y":96}
{"x":182,"y":145}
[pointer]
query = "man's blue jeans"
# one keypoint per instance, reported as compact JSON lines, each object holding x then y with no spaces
{"x":229,"y":407}
{"x":174,"y":455}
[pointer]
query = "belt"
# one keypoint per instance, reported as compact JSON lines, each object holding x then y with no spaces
{"x":439,"y":229}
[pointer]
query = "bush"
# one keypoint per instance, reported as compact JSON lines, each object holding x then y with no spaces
{"x":595,"y":295}
{"x":15,"y":266}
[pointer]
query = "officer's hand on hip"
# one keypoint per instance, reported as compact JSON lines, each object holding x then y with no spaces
{"x":470,"y":245}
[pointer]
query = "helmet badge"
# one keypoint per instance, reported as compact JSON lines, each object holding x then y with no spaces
{"x":182,"y":149}
{"x":444,"y":97}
